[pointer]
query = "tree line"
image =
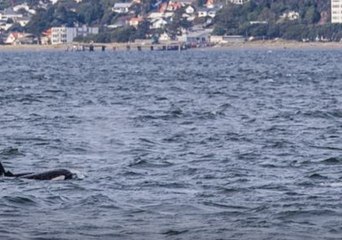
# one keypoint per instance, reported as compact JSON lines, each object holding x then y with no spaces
{"x":266,"y":19}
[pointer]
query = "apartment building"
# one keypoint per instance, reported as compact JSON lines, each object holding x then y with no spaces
{"x":336,"y":11}
{"x":60,"y":35}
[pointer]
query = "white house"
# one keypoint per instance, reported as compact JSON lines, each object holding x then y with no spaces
{"x":202,"y":12}
{"x":189,"y":17}
{"x":122,"y":7}
{"x":60,"y":35}
{"x":23,"y":21}
{"x":212,"y":12}
{"x":190,"y":10}
{"x":12,"y":37}
{"x":155,"y":15}
{"x":168,"y":14}
{"x":9,"y":13}
{"x":158,"y":23}
{"x":25,"y":7}
{"x":5,"y":26}
{"x":54,"y":1}
{"x":135,"y":21}
{"x":290,"y":15}
{"x":185,"y":2}
{"x":164,"y":37}
{"x":17,"y":38}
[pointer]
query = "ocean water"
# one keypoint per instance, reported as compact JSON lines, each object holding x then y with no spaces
{"x":230,"y":144}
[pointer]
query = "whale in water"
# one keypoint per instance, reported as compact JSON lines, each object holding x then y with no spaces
{"x":56,"y":174}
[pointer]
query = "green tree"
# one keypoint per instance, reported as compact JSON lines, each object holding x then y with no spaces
{"x":90,"y":12}
{"x":40,"y":21}
{"x":125,"y":34}
{"x":311,"y":15}
{"x":142,"y":30}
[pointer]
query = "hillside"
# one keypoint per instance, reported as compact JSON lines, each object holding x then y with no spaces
{"x":292,"y":19}
{"x":306,"y":20}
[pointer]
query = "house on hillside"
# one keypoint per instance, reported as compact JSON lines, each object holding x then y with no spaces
{"x":4,"y":26}
{"x":122,"y":7}
{"x":9,"y":13}
{"x":176,"y":4}
{"x":207,"y":12}
{"x":25,"y":7}
{"x":289,"y":16}
{"x":23,"y":21}
{"x":238,"y":1}
{"x":12,"y":37}
{"x":135,"y":21}
{"x":164,"y":37}
{"x":155,"y":15}
{"x":202,"y":12}
{"x":190,"y":9}
{"x":186,"y":2}
{"x":18,"y":38}
{"x":158,"y":23}
{"x":173,"y":6}
{"x":163,"y":7}
{"x":46,"y":37}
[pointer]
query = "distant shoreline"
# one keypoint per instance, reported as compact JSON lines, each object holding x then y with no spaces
{"x":282,"y":45}
{"x":268,"y":44}
{"x":31,"y":48}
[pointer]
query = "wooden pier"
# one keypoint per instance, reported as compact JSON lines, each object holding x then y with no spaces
{"x":174,"y":46}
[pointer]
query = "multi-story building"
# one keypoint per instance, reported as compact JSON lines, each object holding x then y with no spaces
{"x":336,"y":11}
{"x":60,"y":35}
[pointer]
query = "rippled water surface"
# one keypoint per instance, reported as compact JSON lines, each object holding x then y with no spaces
{"x":234,"y":144}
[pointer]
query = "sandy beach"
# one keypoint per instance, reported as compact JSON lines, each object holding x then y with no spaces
{"x":246,"y":45}
{"x":31,"y":48}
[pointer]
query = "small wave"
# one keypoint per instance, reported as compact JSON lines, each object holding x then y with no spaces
{"x":305,"y":213}
{"x":77,"y":174}
{"x":131,"y":173}
{"x":173,"y":232}
{"x":19,"y":200}
{"x":317,"y":176}
{"x":327,"y":148}
{"x":334,"y":184}
{"x":321,"y":114}
{"x":146,"y":164}
{"x":176,"y":138}
{"x":54,"y":91}
{"x":146,"y":140}
{"x":10,"y":151}
{"x":176,"y":111}
{"x":99,"y":199}
{"x":234,"y":208}
{"x":332,"y":160}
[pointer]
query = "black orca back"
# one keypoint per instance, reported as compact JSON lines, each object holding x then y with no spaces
{"x":57,"y":174}
{"x":61,"y":174}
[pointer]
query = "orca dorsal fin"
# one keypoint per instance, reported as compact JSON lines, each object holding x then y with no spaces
{"x":4,"y":173}
{"x":2,"y":170}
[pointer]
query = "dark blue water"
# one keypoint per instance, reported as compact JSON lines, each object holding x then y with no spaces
{"x":231,"y":144}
